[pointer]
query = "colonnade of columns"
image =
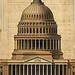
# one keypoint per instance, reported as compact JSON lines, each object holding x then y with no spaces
{"x":60,"y":70}
{"x":38,"y":70}
{"x":51,"y":44}
{"x":23,"y":30}
{"x":30,"y":70}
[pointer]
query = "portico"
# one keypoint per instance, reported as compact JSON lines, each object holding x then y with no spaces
{"x":37,"y":66}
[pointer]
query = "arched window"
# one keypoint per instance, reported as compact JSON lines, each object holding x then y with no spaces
{"x":46,"y":30}
{"x":37,"y":30}
{"x":33,"y":30}
{"x":40,"y":30}
{"x":34,"y":16}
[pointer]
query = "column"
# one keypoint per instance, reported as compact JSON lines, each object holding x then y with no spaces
{"x":35,"y":69}
{"x":15,"y":44}
{"x":7,"y":69}
{"x":18,"y":44}
{"x":35,"y":30}
{"x":47,"y":44}
{"x":35,"y":44}
{"x":43,"y":44}
{"x":39,"y":69}
{"x":27,"y":44}
{"x":59,"y":70}
{"x":3,"y":69}
{"x":42,"y":30}
{"x":11,"y":69}
{"x":53,"y":43}
{"x":39,"y":44}
{"x":21,"y":44}
{"x":66,"y":69}
{"x":51,"y":70}
{"x":62,"y":69}
{"x":27,"y":69}
{"x":56,"y":44}
{"x":31,"y":69}
{"x":23,"y":70}
{"x":24,"y":44}
{"x":55,"y":70}
{"x":19,"y":69}
{"x":50,"y":44}
{"x":45,"y":30}
{"x":15,"y":69}
{"x":32,"y":30}
{"x":47,"y":69}
{"x":43,"y":69}
{"x":59,"y":44}
{"x":23,"y":29}
{"x":48,"y":30}
{"x":31,"y":44}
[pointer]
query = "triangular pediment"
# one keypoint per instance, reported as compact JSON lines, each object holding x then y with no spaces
{"x":38,"y":59}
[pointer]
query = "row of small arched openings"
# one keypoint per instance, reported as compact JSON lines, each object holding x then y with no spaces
{"x":37,"y":23}
{"x":37,"y":16}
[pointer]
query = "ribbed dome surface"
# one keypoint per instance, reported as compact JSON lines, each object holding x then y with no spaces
{"x":37,"y":7}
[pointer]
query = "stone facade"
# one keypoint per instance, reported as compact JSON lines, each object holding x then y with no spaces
{"x":37,"y":45}
{"x":11,"y":11}
{"x":37,"y":66}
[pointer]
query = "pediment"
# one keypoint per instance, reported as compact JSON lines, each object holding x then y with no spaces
{"x":38,"y":59}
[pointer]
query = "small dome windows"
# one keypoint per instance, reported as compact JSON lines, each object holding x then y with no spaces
{"x":38,"y":16}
